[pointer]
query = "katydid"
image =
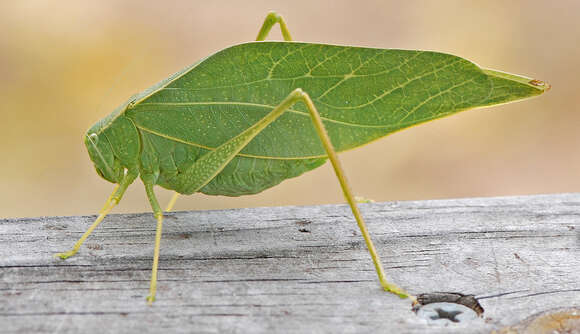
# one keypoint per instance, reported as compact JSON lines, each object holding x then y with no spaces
{"x":252,"y":115}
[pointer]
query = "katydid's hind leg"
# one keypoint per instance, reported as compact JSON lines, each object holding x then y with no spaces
{"x":319,"y":126}
{"x":111,"y":202}
{"x":271,"y":19}
{"x":158,"y":213}
{"x":210,"y":164}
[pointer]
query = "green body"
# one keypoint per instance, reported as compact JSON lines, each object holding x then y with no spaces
{"x":362,"y":94}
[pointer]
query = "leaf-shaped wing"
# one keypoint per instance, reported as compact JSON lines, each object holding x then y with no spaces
{"x":361,"y":93}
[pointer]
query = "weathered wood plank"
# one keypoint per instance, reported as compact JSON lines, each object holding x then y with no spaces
{"x":292,"y":269}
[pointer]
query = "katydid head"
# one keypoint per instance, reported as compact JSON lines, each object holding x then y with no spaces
{"x":101,"y":153}
{"x":114,"y":145}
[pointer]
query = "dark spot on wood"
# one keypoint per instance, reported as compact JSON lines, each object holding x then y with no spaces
{"x":355,"y":244}
{"x":184,"y":235}
{"x":303,"y":222}
{"x":12,"y":293}
{"x":94,"y":246}
{"x":518,"y":257}
{"x":571,"y":228}
{"x":304,"y":230}
{"x":169,"y":216}
{"x":56,"y":227}
{"x":471,"y":262}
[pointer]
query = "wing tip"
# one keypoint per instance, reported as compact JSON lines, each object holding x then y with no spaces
{"x":540,"y":85}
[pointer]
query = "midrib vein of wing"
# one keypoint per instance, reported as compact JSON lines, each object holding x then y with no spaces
{"x":265,"y":106}
{"x":179,"y":140}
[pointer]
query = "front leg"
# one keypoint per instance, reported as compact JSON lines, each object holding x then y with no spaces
{"x":148,"y":181}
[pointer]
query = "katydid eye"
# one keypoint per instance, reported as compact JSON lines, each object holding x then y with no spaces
{"x":94,"y":138}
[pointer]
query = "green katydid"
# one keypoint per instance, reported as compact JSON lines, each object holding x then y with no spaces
{"x":252,"y":115}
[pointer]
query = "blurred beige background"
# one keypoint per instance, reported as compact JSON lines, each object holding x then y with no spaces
{"x":66,"y":64}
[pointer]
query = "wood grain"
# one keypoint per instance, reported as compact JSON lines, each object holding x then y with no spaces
{"x":292,"y":269}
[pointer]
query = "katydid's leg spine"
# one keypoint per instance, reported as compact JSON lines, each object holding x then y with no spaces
{"x":271,"y":19}
{"x":158,"y":213}
{"x":111,"y":202}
